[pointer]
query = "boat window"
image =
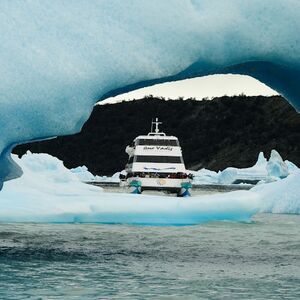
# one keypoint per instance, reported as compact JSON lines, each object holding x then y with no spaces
{"x":157,"y":142}
{"x":159,"y":159}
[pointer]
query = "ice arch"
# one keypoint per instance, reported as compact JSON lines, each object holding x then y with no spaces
{"x":57,"y":58}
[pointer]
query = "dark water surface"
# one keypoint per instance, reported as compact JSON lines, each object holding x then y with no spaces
{"x":221,"y":260}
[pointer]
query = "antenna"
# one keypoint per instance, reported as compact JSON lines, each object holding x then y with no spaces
{"x":156,"y":125}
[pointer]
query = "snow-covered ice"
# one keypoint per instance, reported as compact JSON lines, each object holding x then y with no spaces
{"x":204,"y":176}
{"x":48,"y":192}
{"x":264,"y":171}
{"x":276,"y":167}
{"x":292,"y":168}
{"x":58,"y":58}
{"x":257,"y":172}
{"x":83,"y":174}
{"x":281,"y":196}
{"x":115,"y":178}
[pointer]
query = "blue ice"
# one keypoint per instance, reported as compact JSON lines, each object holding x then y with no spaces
{"x":48,"y":192}
{"x":59,"y":57}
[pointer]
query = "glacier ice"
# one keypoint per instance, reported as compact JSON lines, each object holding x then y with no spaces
{"x":257,"y":172}
{"x":280,"y":196}
{"x":264,"y":170}
{"x":292,"y":168}
{"x":48,"y":192}
{"x":276,"y":167}
{"x":58,"y":58}
{"x":204,"y":176}
{"x":83,"y":174}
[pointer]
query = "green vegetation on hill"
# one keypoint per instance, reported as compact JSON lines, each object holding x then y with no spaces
{"x":215,"y":134}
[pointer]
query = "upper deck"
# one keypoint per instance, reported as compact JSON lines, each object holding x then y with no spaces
{"x":146,"y":140}
{"x":155,"y":151}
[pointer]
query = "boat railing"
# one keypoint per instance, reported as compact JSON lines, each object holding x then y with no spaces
{"x":178,"y":175}
{"x":156,"y":134}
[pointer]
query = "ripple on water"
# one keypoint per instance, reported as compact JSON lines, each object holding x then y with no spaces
{"x":220,"y":260}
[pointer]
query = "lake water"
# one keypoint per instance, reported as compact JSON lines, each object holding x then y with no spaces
{"x":220,"y":260}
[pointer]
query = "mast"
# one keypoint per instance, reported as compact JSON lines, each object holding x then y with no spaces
{"x":156,"y":122}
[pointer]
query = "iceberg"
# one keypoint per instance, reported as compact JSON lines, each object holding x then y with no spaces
{"x":276,"y":167}
{"x":48,"y":192}
{"x":292,"y":168}
{"x":253,"y":174}
{"x":263,"y":171}
{"x":280,"y":196}
{"x":204,"y":176}
{"x":83,"y":174}
{"x":58,"y":58}
{"x":44,"y":173}
{"x":115,"y":178}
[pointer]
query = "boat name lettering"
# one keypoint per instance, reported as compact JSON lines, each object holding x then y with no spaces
{"x":167,"y":148}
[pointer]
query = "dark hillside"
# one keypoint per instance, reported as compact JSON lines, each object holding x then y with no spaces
{"x":226,"y":131}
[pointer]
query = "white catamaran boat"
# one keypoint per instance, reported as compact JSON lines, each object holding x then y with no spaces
{"x":155,"y":163}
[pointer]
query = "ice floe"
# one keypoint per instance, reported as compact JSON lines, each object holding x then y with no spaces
{"x":49,"y":192}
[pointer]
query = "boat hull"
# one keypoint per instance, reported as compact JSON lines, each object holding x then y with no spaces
{"x":172,"y":185}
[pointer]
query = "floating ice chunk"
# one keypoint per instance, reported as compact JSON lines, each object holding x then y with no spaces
{"x":261,"y":161}
{"x":251,"y":175}
{"x":204,"y":176}
{"x":83,"y":173}
{"x":115,"y":178}
{"x":228,"y":176}
{"x":48,"y":192}
{"x":292,"y":168}
{"x":46,"y":168}
{"x":276,"y":167}
{"x":45,"y":174}
{"x":280,"y":196}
